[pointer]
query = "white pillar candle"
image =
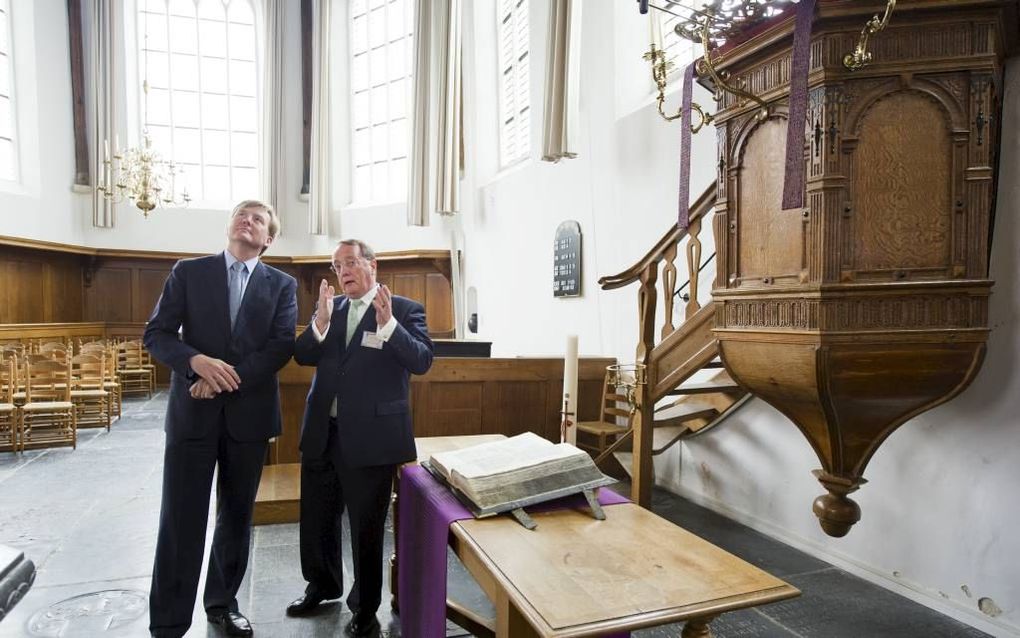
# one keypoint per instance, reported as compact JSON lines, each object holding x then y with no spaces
{"x":570,"y":388}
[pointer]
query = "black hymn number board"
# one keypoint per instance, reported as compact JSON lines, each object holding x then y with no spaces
{"x":567,"y":260}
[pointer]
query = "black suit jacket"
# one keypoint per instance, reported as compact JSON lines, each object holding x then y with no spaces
{"x":194,"y":302}
{"x":371,"y":385}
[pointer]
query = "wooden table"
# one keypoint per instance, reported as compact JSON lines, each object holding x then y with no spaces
{"x":576,"y":576}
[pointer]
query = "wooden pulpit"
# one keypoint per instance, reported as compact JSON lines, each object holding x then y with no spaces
{"x":869,"y":305}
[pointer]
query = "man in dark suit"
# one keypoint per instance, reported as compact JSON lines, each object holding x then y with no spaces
{"x":365,"y":345}
{"x":224,"y":325}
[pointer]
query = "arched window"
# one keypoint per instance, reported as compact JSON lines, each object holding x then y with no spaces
{"x":200,"y":60}
{"x":8,"y":149}
{"x":514,"y":81}
{"x":381,"y":50}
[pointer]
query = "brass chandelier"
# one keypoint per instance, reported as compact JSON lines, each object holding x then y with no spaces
{"x":717,"y":21}
{"x":140,"y":174}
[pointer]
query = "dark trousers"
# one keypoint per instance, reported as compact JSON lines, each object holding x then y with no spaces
{"x":187,"y":479}
{"x":328,"y":486}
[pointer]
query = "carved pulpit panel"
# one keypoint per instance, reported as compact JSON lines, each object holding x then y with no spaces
{"x":869,"y":305}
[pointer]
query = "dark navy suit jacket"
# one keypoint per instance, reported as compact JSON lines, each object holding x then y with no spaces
{"x":371,"y":385}
{"x":195,"y":298}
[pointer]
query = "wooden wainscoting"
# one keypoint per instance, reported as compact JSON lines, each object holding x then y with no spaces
{"x":457,"y":396}
{"x":39,"y":286}
{"x":51,"y":283}
{"x":467,"y":396}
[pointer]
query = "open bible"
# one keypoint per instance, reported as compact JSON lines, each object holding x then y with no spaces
{"x":522,"y":470}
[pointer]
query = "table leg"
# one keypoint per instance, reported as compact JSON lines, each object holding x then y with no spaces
{"x":394,"y":494}
{"x":510,"y":623}
{"x":697,"y":627}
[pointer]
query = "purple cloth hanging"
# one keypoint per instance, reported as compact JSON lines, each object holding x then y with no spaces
{"x":426,"y":510}
{"x":684,"y":197}
{"x":793,"y":188}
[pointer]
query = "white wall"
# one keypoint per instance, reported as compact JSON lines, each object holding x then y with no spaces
{"x":621,"y":189}
{"x":40,"y":203}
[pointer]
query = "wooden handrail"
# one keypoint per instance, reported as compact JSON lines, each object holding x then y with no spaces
{"x":699,"y":209}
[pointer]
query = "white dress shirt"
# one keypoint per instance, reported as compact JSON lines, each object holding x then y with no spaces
{"x":245,"y":276}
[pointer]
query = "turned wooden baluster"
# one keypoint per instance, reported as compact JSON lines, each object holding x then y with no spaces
{"x":668,"y":290}
{"x":693,"y":267}
{"x":642,"y":469}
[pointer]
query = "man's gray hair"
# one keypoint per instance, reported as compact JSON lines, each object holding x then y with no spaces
{"x":366,"y":250}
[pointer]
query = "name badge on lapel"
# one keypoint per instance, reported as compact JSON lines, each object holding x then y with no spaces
{"x":371,"y":340}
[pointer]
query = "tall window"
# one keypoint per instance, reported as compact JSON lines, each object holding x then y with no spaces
{"x":8,"y":151}
{"x":679,"y":51}
{"x":514,"y":82}
{"x":199,"y":57}
{"x":381,"y":50}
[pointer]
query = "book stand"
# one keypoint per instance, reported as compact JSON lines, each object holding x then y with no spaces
{"x":516,"y":507}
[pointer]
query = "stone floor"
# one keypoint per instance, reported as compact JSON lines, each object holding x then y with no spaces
{"x":87,"y":518}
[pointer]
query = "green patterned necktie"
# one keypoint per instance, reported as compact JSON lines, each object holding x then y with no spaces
{"x":352,"y":319}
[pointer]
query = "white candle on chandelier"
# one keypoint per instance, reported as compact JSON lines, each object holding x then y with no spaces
{"x":655,"y":29}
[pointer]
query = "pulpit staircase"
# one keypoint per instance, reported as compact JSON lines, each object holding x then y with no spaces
{"x":685,"y":391}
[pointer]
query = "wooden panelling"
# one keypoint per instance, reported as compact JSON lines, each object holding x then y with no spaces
{"x":423,"y":277}
{"x":150,"y":286}
{"x":438,"y":304}
{"x":24,"y":298}
{"x":48,"y":331}
{"x":109,"y":297}
{"x":37,"y":287}
{"x":412,"y":286}
{"x":454,"y":408}
{"x":45,"y":282}
{"x":467,"y":396}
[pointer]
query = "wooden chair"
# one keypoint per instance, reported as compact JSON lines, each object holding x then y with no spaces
{"x":91,"y":400}
{"x":48,"y":418}
{"x":10,"y":415}
{"x":603,"y":433}
{"x":132,"y":374}
{"x":111,"y":385}
{"x":56,"y":350}
{"x":151,"y":367}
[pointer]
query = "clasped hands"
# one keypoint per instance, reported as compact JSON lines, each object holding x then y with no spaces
{"x":215,"y":376}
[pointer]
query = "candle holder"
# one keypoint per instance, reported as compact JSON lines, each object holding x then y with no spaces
{"x":566,"y":422}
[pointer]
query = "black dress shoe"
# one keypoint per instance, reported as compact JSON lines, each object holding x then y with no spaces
{"x":304,"y":605}
{"x":361,"y":626}
{"x":232,"y":622}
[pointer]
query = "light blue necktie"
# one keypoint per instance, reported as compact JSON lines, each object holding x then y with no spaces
{"x":236,"y":287}
{"x":353,"y":319}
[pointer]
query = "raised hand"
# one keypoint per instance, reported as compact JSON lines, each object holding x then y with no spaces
{"x":383,"y":303}
{"x":217,"y":373}
{"x":324,"y":306}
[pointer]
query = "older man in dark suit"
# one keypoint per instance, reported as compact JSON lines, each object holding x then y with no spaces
{"x":224,"y":325}
{"x":365,"y":345}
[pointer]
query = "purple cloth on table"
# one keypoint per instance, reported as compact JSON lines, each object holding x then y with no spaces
{"x":793,"y":188}
{"x":684,"y":203}
{"x":426,"y":510}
